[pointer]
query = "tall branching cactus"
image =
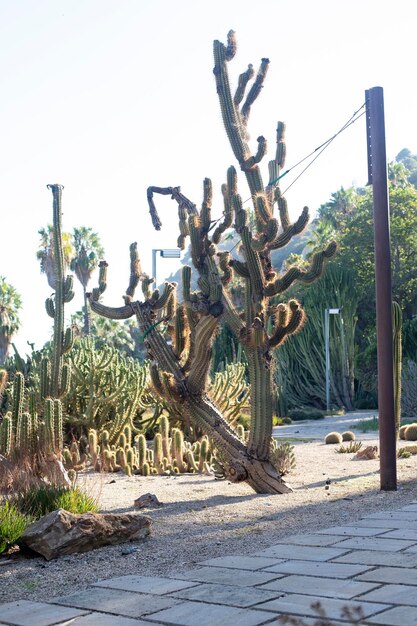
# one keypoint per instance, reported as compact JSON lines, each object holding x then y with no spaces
{"x":180,"y":371}
{"x":56,"y":379}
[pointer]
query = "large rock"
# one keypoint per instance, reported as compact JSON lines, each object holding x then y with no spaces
{"x":61,"y":532}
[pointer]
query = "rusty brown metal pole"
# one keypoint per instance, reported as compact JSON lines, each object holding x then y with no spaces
{"x":377,"y":171}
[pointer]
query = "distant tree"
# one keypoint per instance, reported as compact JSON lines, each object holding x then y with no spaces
{"x":339,"y":208}
{"x":356,"y":243}
{"x":10,"y":305}
{"x":398,"y":174}
{"x":45,"y":254}
{"x":409,"y":160}
{"x":87,"y":253}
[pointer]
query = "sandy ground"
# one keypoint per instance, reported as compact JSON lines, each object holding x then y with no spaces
{"x":202,"y":518}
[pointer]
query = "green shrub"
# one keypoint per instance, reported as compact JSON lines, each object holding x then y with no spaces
{"x":306,"y":413}
{"x":367,"y":425}
{"x":12,"y":525}
{"x":39,"y":501}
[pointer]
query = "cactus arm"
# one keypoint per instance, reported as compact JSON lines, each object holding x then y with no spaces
{"x":292,"y":229}
{"x":175,"y":193}
{"x":135,"y":270}
{"x":113,"y":313}
{"x":282,"y":283}
{"x":200,"y":364}
{"x":283,"y":330}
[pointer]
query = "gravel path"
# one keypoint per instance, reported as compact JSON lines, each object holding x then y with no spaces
{"x":203,"y":518}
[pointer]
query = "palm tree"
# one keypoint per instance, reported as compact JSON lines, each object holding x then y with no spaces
{"x":340,"y":207}
{"x":45,"y":254}
{"x":10,"y":304}
{"x":87,"y":253}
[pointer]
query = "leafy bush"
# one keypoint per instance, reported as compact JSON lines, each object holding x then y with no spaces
{"x":12,"y":525}
{"x":39,"y":501}
{"x":306,"y":413}
{"x":279,"y":421}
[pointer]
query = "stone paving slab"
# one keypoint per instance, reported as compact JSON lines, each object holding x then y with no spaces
{"x":226,"y":594}
{"x":193,"y":613}
{"x":375,"y":557}
{"x":404,"y":533}
{"x":394,"y":575}
{"x":413,"y":549}
{"x":398,"y":616}
{"x":225,"y":576}
{"x":116,"y":602}
{"x":354,"y":531}
{"x":323,"y":587}
{"x":27,"y":613}
{"x":374,"y":543}
{"x":145,"y":584}
{"x":313,"y":540}
{"x":313,"y":568}
{"x":304,"y":553}
{"x":251,"y":563}
{"x":104,"y":619}
{"x":299,"y":604}
{"x":383,"y":523}
{"x":393,"y":594}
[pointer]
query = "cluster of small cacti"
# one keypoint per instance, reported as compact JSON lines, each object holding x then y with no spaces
{"x":24,"y":431}
{"x":282,"y":456}
{"x":230,"y":392}
{"x":106,"y":391}
{"x":335,"y":437}
{"x":353,"y":446}
{"x":406,"y":452}
{"x":169,"y":453}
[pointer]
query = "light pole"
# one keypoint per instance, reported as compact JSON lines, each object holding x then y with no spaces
{"x":165,"y":254}
{"x":328,"y":312}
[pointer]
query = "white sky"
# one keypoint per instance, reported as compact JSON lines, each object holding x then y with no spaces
{"x":108,"y":97}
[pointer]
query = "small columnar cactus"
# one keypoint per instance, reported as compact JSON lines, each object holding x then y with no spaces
{"x":333,"y":438}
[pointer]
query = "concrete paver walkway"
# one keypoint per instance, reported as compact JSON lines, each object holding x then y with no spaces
{"x":371,"y":566}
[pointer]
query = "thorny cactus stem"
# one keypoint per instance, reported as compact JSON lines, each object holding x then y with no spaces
{"x":180,"y":368}
{"x":62,"y":341}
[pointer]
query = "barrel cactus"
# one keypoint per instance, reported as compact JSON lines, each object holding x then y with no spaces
{"x":333,"y":438}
